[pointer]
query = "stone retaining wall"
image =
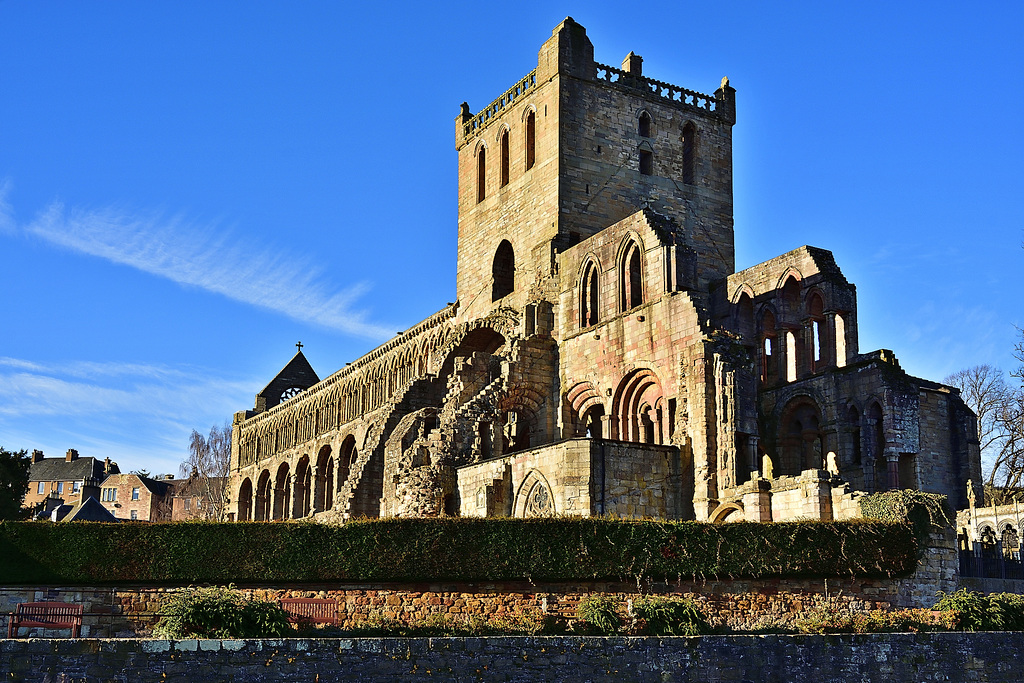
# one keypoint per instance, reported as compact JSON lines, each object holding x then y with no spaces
{"x":988,"y":657}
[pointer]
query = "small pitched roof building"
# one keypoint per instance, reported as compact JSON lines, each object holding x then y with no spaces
{"x":294,"y":378}
{"x":67,"y":480}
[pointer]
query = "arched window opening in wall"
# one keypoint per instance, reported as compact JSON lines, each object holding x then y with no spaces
{"x":644,"y":127}
{"x":790,"y":299}
{"x":346,"y":456}
{"x":264,"y":497}
{"x":745,"y":317}
{"x":646,"y":162}
{"x":244,"y":511}
{"x":856,"y":454}
{"x":303,"y":482}
{"x":638,"y":408}
{"x":531,"y":138}
{"x":817,"y":331}
{"x":481,"y":175}
{"x":840,"y":340}
{"x":801,"y":440}
{"x":588,"y":297}
{"x":515,"y":432}
{"x":769,"y":355}
{"x":1010,"y":540}
{"x":792,"y":356}
{"x":631,"y":285}
{"x":503,"y":271}
{"x":689,"y":153}
{"x":504,"y":158}
{"x":282,"y":494}
{"x":592,"y":421}
{"x":324,"y":486}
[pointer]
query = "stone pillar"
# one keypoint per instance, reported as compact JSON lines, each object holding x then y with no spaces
{"x":817,"y":491}
{"x":892,"y":463}
{"x":316,"y":490}
{"x":757,"y":502}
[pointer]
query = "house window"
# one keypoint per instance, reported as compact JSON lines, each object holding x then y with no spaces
{"x":135,"y":515}
{"x":135,"y":493}
{"x":60,"y":487}
{"x":76,"y":487}
{"x":504,"y":158}
{"x":108,"y":495}
{"x":531,"y":135}
{"x":41,"y":488}
{"x":188,"y":504}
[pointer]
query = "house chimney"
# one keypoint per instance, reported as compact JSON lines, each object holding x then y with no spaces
{"x":72,"y":455}
{"x":37,"y":455}
{"x":106,"y":465}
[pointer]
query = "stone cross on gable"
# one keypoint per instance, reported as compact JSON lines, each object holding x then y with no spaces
{"x":298,"y":345}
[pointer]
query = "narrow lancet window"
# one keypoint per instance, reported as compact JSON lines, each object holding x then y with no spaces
{"x":531,"y":137}
{"x":503,"y":271}
{"x":504,"y":158}
{"x":481,"y":175}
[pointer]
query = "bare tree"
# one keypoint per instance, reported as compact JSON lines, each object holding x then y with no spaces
{"x":1000,"y":411}
{"x":206,"y":470}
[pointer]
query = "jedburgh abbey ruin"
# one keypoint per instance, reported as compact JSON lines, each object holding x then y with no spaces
{"x":603,"y":356}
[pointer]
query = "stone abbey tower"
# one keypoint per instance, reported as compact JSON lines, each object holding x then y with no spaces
{"x":603,"y":356}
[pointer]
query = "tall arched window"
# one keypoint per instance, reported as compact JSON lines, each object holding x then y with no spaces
{"x":816,"y":330}
{"x":481,"y":175}
{"x":631,"y":285}
{"x":531,"y":138}
{"x":504,"y":158}
{"x":689,"y":153}
{"x":769,"y":349}
{"x":588,"y":296}
{"x":644,"y":127}
{"x":503,"y":271}
{"x":855,"y":436}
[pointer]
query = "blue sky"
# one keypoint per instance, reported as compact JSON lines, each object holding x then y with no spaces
{"x":189,"y":188}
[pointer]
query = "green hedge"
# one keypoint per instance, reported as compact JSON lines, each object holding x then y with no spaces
{"x":404,"y":550}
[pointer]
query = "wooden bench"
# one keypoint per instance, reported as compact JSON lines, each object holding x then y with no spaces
{"x":311,"y":610}
{"x":46,"y":615}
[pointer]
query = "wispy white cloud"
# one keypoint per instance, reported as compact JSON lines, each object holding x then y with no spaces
{"x":139,"y":415}
{"x":209,"y":257}
{"x":6,"y":212}
{"x":80,"y":389}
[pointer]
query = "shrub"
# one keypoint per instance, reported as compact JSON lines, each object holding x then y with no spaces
{"x":977,"y":612}
{"x":874,"y":621}
{"x":219,"y":612}
{"x":668,"y":616}
{"x":596,"y":615}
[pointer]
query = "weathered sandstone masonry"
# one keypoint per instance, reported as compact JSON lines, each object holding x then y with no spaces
{"x":598,"y":299}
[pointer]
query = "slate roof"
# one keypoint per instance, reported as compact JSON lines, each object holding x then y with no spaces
{"x":298,"y":373}
{"x":89,"y":510}
{"x":59,"y":469}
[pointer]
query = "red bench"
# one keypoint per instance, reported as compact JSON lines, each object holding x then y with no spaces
{"x":46,"y":615}
{"x":311,"y":610}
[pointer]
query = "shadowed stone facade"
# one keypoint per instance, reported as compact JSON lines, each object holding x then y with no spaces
{"x":603,"y":356}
